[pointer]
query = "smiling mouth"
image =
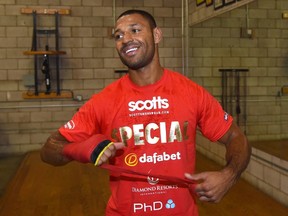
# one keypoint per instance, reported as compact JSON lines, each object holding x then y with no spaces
{"x":131,"y":50}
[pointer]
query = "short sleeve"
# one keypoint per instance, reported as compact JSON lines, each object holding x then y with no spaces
{"x":214,"y":122}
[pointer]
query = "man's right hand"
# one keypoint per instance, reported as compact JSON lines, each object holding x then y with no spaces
{"x":97,"y":149}
{"x":109,"y":152}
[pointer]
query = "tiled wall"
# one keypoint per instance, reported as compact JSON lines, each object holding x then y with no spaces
{"x":87,"y":67}
{"x":91,"y":60}
{"x":217,"y":43}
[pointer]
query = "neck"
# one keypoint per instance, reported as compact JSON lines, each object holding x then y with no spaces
{"x":146,"y":76}
{"x":149,"y":74}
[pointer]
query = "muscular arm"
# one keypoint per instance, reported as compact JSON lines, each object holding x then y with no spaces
{"x":238,"y":151}
{"x":52,"y":151}
{"x":97,"y":149}
{"x":213,"y":185}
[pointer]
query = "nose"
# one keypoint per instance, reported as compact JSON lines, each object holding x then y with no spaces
{"x":127,"y":37}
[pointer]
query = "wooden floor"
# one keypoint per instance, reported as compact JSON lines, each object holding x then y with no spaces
{"x":8,"y":167}
{"x":38,"y":189}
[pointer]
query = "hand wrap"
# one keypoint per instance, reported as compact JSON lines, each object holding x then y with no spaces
{"x":88,"y":151}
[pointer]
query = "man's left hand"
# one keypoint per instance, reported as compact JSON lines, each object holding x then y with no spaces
{"x":213,"y":185}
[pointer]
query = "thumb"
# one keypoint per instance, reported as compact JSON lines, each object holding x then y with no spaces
{"x":119,"y":145}
{"x":194,"y":177}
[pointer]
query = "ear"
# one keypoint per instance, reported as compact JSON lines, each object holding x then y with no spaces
{"x":157,"y":33}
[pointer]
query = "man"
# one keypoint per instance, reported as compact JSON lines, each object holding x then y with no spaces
{"x":146,"y":122}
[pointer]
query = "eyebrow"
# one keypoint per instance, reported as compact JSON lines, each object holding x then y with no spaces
{"x":130,"y":26}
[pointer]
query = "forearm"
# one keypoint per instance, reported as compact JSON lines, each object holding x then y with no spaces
{"x":52,"y":151}
{"x":238,"y":156}
{"x":58,"y":151}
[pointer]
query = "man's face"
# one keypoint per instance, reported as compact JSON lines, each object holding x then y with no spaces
{"x":134,"y":41}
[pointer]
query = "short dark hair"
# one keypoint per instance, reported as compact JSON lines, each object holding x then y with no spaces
{"x":143,"y":13}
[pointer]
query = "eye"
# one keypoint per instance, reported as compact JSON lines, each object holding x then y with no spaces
{"x":118,"y":36}
{"x":136,"y":30}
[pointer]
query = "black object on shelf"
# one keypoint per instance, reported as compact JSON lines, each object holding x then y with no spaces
{"x":45,"y":54}
{"x":234,"y":92}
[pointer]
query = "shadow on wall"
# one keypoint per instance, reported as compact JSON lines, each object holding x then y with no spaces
{"x":4,"y":143}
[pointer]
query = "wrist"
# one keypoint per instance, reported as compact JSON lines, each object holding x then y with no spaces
{"x":230,"y":174}
{"x":87,"y":151}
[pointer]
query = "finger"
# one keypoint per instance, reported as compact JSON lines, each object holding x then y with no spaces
{"x":109,"y":152}
{"x":188,"y":176}
{"x":204,"y":199}
{"x":115,"y":147}
{"x":201,"y":193}
{"x":119,"y":145}
{"x":195,"y":177}
{"x":197,"y":188}
{"x":100,"y":162}
{"x":204,"y":193}
{"x":106,"y":155}
{"x":208,"y":199}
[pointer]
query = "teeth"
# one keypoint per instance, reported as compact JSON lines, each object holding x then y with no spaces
{"x":131,"y":50}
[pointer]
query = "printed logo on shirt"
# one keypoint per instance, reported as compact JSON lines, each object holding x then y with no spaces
{"x":132,"y":159}
{"x":153,"y":189}
{"x":70,"y":125}
{"x":170,"y":204}
{"x":152,"y":133}
{"x":226,"y":116}
{"x":153,"y":104}
{"x":152,"y":180}
{"x":154,"y":206}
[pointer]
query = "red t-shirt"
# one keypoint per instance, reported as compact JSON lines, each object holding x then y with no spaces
{"x":158,"y":124}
